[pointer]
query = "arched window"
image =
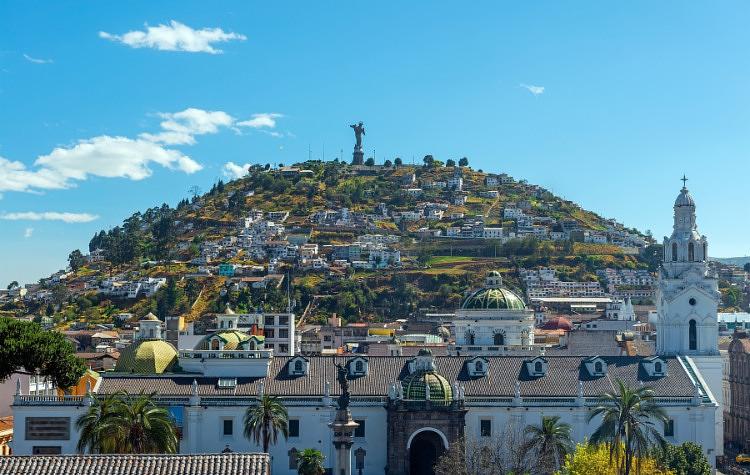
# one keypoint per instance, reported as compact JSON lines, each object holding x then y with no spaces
{"x":692,"y":336}
{"x":691,"y":252}
{"x":469,"y":337}
{"x":215,"y":344}
{"x":499,"y":339}
{"x":150,"y":332}
{"x":674,"y":251}
{"x":478,"y":366}
{"x":359,"y":367}
{"x":598,"y":367}
{"x":657,"y":367}
{"x":298,"y":366}
{"x":705,"y":252}
{"x":538,"y":367}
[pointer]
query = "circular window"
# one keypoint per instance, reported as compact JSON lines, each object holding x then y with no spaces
{"x":692,"y":301}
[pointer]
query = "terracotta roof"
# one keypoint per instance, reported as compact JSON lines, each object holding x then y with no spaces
{"x":6,"y":424}
{"x":203,"y":464}
{"x":502,"y":373}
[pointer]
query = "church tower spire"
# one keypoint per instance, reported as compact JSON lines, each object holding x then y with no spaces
{"x":687,"y":298}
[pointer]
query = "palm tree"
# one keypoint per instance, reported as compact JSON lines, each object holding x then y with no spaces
{"x":265,"y":420}
{"x":627,"y":424}
{"x":122,"y":424}
{"x":552,"y":442}
{"x":310,"y":462}
{"x":144,"y":427}
{"x":93,"y":425}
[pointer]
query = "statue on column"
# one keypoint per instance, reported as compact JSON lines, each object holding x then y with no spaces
{"x":359,"y":131}
{"x":343,"y":380}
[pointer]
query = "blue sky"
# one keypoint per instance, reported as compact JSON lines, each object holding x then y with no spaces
{"x":104,"y":107}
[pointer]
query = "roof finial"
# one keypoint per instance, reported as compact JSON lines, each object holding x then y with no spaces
{"x":684,"y":181}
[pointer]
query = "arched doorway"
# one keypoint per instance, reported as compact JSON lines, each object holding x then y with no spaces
{"x":425,"y":447}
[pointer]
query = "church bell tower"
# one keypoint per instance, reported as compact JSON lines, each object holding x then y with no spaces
{"x":687,"y":303}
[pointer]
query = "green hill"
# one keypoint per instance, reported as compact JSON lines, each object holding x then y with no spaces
{"x":164,"y":242}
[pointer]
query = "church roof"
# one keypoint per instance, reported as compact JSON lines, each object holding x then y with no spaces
{"x":193,"y":464}
{"x":147,"y":357}
{"x":561,"y":379}
{"x":233,"y":339}
{"x":493,"y":299}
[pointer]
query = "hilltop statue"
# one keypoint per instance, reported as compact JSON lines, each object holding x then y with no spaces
{"x":359,"y":131}
{"x":358,"y":157}
{"x":341,"y":376}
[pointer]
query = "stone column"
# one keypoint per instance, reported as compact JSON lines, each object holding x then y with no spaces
{"x":343,"y":438}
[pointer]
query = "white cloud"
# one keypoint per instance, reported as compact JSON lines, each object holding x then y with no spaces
{"x":175,"y":37}
{"x":103,"y":156}
{"x":28,"y":232}
{"x":180,"y":128}
{"x":233,"y":171}
{"x":266,"y":119}
{"x":37,"y":60}
{"x":49,"y":216}
{"x":536,"y":90}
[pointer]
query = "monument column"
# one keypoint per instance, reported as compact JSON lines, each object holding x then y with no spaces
{"x":343,"y":428}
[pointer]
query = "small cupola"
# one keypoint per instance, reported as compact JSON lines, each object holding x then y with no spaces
{"x":477,"y":367}
{"x":358,"y":366}
{"x":536,"y":367}
{"x":424,"y":361}
{"x":149,"y":328}
{"x":654,"y":366}
{"x":298,"y":366}
{"x":595,"y":366}
{"x":228,"y":320}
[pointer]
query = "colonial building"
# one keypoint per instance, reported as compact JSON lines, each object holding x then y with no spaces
{"x":736,"y":410}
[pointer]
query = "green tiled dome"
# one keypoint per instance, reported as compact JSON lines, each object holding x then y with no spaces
{"x":147,"y":357}
{"x":493,"y":299}
{"x":232,"y":339}
{"x":414,"y":384}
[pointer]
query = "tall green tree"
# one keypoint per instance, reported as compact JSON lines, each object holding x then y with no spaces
{"x":684,"y":459}
{"x":13,"y":285}
{"x":127,"y":424}
{"x":27,"y":347}
{"x":463,"y":162}
{"x":310,"y":462}
{"x":628,"y":419}
{"x":76,"y":260}
{"x":265,"y":420}
{"x":552,"y":442}
{"x":450,"y":163}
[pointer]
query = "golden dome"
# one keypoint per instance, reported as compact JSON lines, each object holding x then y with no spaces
{"x":148,"y":357}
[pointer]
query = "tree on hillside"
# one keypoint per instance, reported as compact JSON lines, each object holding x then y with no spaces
{"x":450,"y":163}
{"x":387,"y":164}
{"x":746,"y":267}
{"x":76,"y":260}
{"x":398,"y":162}
{"x":13,"y":285}
{"x":27,"y":347}
{"x":429,"y":161}
{"x":370,"y":162}
{"x":464,"y":162}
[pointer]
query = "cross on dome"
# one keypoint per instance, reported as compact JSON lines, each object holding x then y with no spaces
{"x":684,"y":180}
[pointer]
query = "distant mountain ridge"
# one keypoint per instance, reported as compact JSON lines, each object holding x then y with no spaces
{"x":732,"y":261}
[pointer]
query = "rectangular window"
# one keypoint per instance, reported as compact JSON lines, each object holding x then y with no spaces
{"x":228,"y":426}
{"x":283,"y":333}
{"x":46,"y":450}
{"x":268,"y":321}
{"x":669,"y":428}
{"x":485,"y":428}
{"x":360,"y":430}
{"x":268,"y":333}
{"x":48,"y":428}
{"x":283,"y":320}
{"x":293,"y":427}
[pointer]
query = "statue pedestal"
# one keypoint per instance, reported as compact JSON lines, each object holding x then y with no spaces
{"x":343,"y":438}
{"x":358,"y":157}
